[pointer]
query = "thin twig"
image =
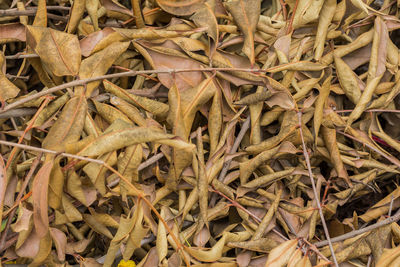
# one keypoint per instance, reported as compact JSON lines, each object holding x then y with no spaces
{"x":27,"y":129}
{"x":38,"y":149}
{"x":283,"y":8}
{"x":369,"y":261}
{"x":237,"y":205}
{"x":354,"y":233}
{"x":123,"y":74}
{"x":13,"y":239}
{"x":30,"y":13}
{"x":20,"y":112}
{"x":227,"y":164}
{"x":10,"y":76}
{"x":19,"y":55}
{"x":290,"y":27}
{"x":321,"y":215}
{"x":34,"y":8}
{"x":315,"y":249}
{"x":369,"y":110}
{"x":150,"y":161}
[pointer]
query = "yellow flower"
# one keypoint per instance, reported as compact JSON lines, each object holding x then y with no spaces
{"x":128,"y":263}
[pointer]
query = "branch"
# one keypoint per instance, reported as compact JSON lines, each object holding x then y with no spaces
{"x":321,"y":215}
{"x":243,"y":130}
{"x":117,"y":75}
{"x":354,"y":233}
{"x":369,"y":110}
{"x":30,"y":13}
{"x":10,"y":76}
{"x":19,"y":55}
{"x":290,"y":27}
{"x":38,"y":149}
{"x":18,"y":113}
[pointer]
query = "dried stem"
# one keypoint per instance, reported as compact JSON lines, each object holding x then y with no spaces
{"x":10,"y":76}
{"x":369,"y":110}
{"x":290,"y":27}
{"x":284,"y":11}
{"x":236,"y":204}
{"x":315,"y":249}
{"x":307,"y":158}
{"x":19,"y":55}
{"x":18,"y":113}
{"x":30,"y":13}
{"x":354,"y":233}
{"x":38,"y":149}
{"x":150,"y":161}
{"x":227,"y":164}
{"x":122,"y":74}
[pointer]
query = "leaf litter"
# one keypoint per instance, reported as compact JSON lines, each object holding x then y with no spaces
{"x":202,"y":133}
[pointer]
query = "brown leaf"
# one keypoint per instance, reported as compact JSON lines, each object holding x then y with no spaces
{"x":69,"y":126}
{"x":40,"y":200}
{"x":99,"y":63}
{"x":8,"y":89}
{"x":246,"y":15}
{"x":12,"y":32}
{"x":162,"y":61}
{"x":180,"y":7}
{"x":59,"y":52}
{"x":60,"y":241}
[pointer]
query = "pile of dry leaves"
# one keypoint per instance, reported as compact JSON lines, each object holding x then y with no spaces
{"x":200,"y":132}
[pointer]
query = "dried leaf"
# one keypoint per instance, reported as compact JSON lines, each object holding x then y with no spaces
{"x":246,"y":15}
{"x":99,"y":63}
{"x":69,"y":126}
{"x":59,"y":52}
{"x":180,"y":7}
{"x":8,"y":89}
{"x":40,"y":199}
{"x":280,"y":255}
